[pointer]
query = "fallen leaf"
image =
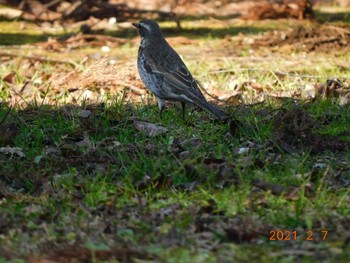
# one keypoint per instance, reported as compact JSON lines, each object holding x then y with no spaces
{"x":234,"y":100}
{"x":344,"y":100}
{"x":309,"y":92}
{"x":71,"y":111}
{"x":12,"y":150}
{"x":38,"y":158}
{"x":85,"y":142}
{"x":51,"y":151}
{"x":242,"y":150}
{"x":192,"y":143}
{"x":275,"y":189}
{"x":10,"y":77}
{"x":227,"y":175}
{"x":151,"y":129}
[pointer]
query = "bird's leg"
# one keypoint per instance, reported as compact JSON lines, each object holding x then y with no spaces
{"x":183,"y":104}
{"x":161,"y":105}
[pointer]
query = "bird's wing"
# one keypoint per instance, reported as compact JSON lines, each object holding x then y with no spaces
{"x":177,"y":76}
{"x":178,"y":82}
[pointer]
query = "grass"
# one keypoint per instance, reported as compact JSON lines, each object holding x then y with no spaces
{"x":96,"y":188}
{"x":145,"y":185}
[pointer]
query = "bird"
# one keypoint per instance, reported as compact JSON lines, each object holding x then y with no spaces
{"x":165,"y":74}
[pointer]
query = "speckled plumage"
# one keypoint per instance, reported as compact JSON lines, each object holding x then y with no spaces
{"x":164,"y":73}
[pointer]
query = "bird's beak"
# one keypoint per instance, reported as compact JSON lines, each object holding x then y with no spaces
{"x":135,"y":25}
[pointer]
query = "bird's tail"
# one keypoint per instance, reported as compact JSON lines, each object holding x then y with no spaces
{"x":211,"y":109}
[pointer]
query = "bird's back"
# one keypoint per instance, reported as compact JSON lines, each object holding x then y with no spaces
{"x":167,"y":61}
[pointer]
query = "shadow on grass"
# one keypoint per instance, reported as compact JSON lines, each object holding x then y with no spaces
{"x":23,"y":37}
{"x":170,"y":31}
{"x":8,"y":39}
{"x":324,"y":17}
{"x":193,"y":33}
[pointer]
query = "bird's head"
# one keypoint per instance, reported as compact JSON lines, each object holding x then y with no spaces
{"x":148,"y":28}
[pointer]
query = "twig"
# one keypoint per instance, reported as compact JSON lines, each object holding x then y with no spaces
{"x":22,"y":89}
{"x":339,"y":29}
{"x":52,"y":3}
{"x":206,"y":92}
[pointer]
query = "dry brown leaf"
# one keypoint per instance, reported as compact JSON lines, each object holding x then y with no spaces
{"x":234,"y":99}
{"x":10,"y":77}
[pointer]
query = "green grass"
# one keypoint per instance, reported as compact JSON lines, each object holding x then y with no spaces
{"x":107,"y":182}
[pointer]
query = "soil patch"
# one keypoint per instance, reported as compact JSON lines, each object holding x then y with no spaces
{"x":296,"y":130}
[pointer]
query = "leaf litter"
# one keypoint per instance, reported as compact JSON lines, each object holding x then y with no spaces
{"x":322,"y":38}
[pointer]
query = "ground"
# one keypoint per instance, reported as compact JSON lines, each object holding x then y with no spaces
{"x":90,"y":172}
